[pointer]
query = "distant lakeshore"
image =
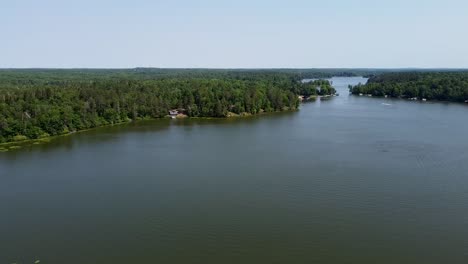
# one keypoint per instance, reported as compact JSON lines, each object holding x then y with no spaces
{"x":38,"y":104}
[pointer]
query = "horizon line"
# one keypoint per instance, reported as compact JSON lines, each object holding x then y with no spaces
{"x":233,"y":68}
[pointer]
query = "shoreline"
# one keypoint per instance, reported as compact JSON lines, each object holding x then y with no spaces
{"x":6,"y":146}
{"x":410,"y":99}
{"x":13,"y":145}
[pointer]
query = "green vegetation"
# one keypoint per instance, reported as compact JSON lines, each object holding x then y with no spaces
{"x":444,"y":86}
{"x":36,"y":104}
{"x":59,"y":75}
{"x":316,"y":87}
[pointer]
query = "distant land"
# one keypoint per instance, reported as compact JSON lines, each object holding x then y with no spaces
{"x":440,"y":86}
{"x":39,"y":103}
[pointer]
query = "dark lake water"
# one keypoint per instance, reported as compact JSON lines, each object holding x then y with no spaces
{"x":347,"y":180}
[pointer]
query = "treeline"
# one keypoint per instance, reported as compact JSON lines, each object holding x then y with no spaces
{"x":36,"y":104}
{"x":444,"y":86}
{"x":315,"y":87}
{"x":22,"y":76}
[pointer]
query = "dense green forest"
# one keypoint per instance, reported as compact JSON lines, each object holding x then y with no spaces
{"x":315,"y":87}
{"x":51,"y":75}
{"x":444,"y":86}
{"x":41,"y":103}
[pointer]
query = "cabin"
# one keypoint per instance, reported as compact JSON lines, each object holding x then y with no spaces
{"x":173,"y":113}
{"x":178,"y":113}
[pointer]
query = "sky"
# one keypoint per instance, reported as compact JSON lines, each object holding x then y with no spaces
{"x":234,"y":34}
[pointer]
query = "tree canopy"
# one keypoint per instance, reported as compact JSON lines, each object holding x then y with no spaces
{"x":41,"y":103}
{"x":444,"y":86}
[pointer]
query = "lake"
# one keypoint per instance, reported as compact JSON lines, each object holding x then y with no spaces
{"x":346,"y":180}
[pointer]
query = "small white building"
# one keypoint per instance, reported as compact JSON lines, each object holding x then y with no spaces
{"x":173,"y":113}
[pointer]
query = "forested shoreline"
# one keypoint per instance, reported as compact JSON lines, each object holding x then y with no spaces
{"x":37,"y":104}
{"x":441,"y":86}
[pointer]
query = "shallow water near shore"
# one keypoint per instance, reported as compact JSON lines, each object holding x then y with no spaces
{"x":345,"y":180}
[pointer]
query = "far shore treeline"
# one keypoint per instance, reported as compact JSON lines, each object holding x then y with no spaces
{"x":41,"y":103}
{"x":441,"y":86}
{"x":38,"y":103}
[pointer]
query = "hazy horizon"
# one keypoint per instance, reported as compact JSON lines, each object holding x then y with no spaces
{"x":232,"y":68}
{"x":298,"y":34}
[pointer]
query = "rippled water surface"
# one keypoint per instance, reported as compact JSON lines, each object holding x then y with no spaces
{"x":346,"y":180}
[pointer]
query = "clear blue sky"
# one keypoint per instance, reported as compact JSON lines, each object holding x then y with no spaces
{"x":234,"y":34}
